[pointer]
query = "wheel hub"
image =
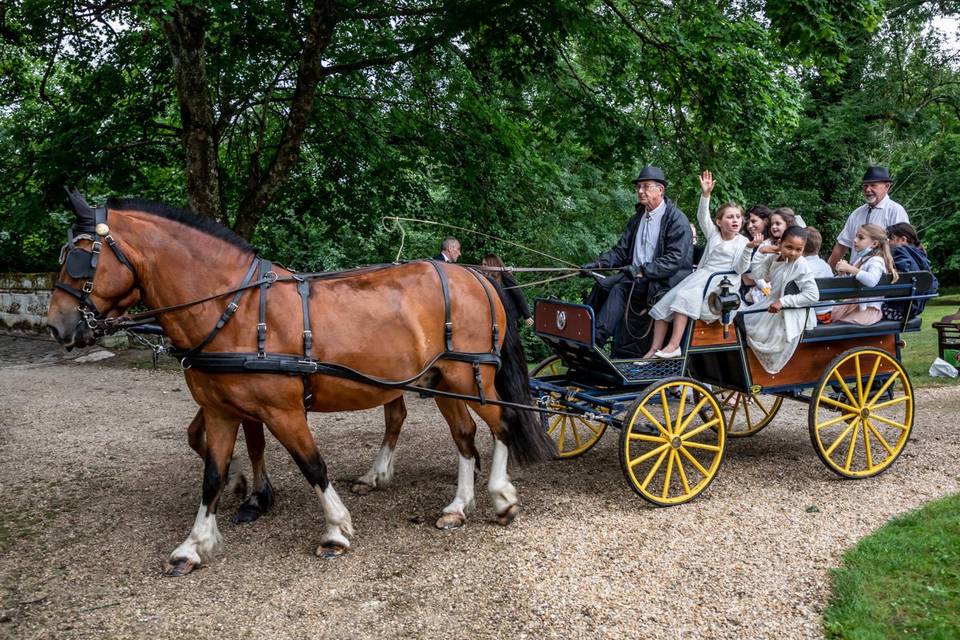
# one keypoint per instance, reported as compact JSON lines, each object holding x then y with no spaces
{"x":865,"y":412}
{"x":675,"y":443}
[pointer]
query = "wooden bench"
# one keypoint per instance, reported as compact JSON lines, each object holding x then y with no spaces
{"x":848,"y":289}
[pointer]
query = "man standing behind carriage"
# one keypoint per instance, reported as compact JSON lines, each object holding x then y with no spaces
{"x":655,"y":252}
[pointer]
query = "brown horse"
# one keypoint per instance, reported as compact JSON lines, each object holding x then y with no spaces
{"x":387,"y":323}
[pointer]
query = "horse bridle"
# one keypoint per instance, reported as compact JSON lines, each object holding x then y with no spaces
{"x":81,"y":264}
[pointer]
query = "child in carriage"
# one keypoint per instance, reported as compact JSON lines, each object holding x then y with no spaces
{"x":780,"y":219}
{"x":875,"y":260}
{"x":774,"y":336}
{"x":687,"y":300}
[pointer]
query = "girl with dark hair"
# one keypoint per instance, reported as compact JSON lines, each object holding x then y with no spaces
{"x":513,"y":299}
{"x":908,"y":255}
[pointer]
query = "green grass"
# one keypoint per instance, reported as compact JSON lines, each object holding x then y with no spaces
{"x":902,"y":581}
{"x":921,"y":347}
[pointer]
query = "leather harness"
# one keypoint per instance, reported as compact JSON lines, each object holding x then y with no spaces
{"x":263,"y":361}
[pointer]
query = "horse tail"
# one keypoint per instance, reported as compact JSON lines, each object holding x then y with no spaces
{"x":527,"y":441}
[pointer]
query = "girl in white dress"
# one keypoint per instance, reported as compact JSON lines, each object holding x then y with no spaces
{"x":688,"y":299}
{"x":867,"y":270}
{"x":774,"y":336}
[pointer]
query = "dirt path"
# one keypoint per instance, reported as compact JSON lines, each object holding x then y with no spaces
{"x":98,"y":486}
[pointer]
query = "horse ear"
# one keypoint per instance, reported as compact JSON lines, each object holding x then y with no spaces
{"x":82,"y":210}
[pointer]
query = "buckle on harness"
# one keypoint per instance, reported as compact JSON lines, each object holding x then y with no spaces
{"x":270,"y":277}
{"x":87,"y":286}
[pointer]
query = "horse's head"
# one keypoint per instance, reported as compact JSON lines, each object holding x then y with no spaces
{"x":96,"y":280}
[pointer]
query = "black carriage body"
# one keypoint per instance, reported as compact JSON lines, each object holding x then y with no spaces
{"x":844,"y":372}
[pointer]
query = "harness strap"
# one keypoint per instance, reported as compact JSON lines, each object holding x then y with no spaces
{"x":228,"y":312}
{"x":266,"y":267}
{"x":303,"y":288}
{"x":495,"y":332}
{"x":447,"y":324}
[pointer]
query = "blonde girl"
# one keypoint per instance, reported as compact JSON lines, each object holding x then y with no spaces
{"x":872,"y":243}
{"x":687,"y":300}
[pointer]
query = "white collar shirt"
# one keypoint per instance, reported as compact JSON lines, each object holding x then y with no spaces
{"x":648,"y":234}
{"x":886,"y":213}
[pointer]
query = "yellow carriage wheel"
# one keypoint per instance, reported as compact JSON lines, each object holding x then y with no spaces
{"x":746,"y":414}
{"x":572,"y":435}
{"x":672,"y":441}
{"x":861,"y":413}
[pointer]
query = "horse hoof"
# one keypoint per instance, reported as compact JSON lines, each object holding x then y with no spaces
{"x":331,"y":550}
{"x":179,"y":567}
{"x":361,"y":488}
{"x":450,"y":521}
{"x":509,"y":515}
{"x":246,"y":514}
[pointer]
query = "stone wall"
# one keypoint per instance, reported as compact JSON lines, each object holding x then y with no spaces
{"x":24,"y":298}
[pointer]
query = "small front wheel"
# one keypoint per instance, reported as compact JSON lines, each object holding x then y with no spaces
{"x":672,"y":441}
{"x":572,"y":435}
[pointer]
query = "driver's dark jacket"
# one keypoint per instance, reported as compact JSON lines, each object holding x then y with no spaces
{"x":673,"y":255}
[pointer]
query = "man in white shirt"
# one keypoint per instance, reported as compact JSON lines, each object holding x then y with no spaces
{"x":449,"y":250}
{"x":879,"y":209}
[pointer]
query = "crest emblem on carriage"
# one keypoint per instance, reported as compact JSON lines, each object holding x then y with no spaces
{"x":561,"y":319}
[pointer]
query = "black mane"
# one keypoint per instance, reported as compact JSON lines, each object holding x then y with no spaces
{"x":201,"y":223}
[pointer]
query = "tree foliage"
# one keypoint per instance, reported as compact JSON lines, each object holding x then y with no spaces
{"x":303,"y":123}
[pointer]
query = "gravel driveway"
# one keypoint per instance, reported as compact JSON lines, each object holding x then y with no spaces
{"x":98,"y":486}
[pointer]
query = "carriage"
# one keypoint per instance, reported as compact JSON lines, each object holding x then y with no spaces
{"x":674,"y":415}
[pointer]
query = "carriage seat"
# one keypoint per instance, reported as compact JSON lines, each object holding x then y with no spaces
{"x":849,"y":289}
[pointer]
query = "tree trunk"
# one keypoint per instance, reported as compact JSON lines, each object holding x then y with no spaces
{"x":319,"y":30}
{"x":186,"y":31}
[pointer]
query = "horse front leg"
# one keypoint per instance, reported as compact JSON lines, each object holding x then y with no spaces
{"x":380,"y":474}
{"x":204,"y":539}
{"x":196,"y":438}
{"x":260,"y":499}
{"x":293,"y":432}
{"x":463,"y":429}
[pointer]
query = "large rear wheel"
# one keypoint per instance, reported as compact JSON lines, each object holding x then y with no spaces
{"x":672,"y":441}
{"x":861,"y":413}
{"x":746,"y":414}
{"x":572,"y":435}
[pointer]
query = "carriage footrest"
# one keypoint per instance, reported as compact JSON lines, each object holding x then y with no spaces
{"x":651,"y":369}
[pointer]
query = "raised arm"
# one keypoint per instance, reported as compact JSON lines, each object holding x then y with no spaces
{"x":703,"y":211}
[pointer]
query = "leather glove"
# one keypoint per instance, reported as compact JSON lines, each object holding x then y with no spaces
{"x":631,"y":271}
{"x":585,"y":269}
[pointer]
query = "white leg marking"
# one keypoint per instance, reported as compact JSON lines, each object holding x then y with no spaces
{"x":463,"y":502}
{"x":503,"y":493}
{"x":204,"y":539}
{"x":381,"y":473}
{"x":339,"y":525}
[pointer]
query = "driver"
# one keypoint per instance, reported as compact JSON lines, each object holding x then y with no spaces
{"x":655,"y":251}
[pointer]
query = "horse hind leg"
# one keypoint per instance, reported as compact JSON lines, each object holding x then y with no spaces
{"x":380,"y":474}
{"x":205,"y":539}
{"x":503,"y":494}
{"x":291,"y":429}
{"x":463,"y":429}
{"x":260,"y":499}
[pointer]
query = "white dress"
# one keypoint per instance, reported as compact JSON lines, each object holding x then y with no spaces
{"x":688,"y":297}
{"x":774,"y":337}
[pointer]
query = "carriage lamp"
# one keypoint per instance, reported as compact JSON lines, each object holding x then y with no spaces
{"x":723,"y":303}
{"x":102,"y":229}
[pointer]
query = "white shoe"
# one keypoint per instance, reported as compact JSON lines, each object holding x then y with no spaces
{"x":668,"y":354}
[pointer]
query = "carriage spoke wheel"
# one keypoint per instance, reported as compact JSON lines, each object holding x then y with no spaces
{"x":746,"y":414}
{"x":861,"y":413}
{"x":572,"y":435}
{"x":672,"y":441}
